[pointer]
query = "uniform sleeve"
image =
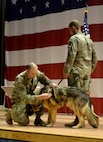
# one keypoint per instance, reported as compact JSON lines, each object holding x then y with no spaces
{"x":94,"y":59}
{"x":43,"y":78}
{"x":21,"y":90}
{"x":72,"y":51}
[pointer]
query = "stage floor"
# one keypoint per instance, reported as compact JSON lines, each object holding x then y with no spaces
{"x":57,"y":133}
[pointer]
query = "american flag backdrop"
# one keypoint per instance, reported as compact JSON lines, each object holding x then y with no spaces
{"x":85,"y":25}
{"x":37,"y":31}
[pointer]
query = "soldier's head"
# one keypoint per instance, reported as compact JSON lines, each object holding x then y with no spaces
{"x":31,"y":70}
{"x":74,"y":27}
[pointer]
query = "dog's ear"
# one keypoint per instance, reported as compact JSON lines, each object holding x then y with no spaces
{"x":61,"y":91}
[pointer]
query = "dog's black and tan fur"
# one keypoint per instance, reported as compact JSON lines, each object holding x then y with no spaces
{"x":73,"y":98}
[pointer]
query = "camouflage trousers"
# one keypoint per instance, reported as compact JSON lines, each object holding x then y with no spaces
{"x":20,"y":115}
{"x":82,"y":83}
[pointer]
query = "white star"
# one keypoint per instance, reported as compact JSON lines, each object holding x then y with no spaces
{"x":63,"y":2}
{"x":34,"y":8}
{"x":21,"y":10}
{"x":47,"y":4}
{"x":13,"y":2}
{"x":27,"y":0}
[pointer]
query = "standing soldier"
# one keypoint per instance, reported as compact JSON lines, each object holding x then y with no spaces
{"x":81,"y":59}
{"x":23,"y":96}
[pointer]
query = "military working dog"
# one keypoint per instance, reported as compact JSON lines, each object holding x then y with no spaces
{"x":73,"y":98}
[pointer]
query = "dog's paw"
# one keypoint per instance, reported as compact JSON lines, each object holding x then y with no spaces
{"x":49,"y":125}
{"x":78,"y":126}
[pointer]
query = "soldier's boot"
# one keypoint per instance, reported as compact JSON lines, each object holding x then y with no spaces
{"x":39,"y":122}
{"x":8,"y":117}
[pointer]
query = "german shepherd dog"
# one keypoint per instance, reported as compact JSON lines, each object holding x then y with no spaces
{"x":73,"y":98}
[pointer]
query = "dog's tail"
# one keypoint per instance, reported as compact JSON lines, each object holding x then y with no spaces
{"x":92,"y":117}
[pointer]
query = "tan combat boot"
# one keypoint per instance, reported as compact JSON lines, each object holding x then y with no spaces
{"x":8,"y":117}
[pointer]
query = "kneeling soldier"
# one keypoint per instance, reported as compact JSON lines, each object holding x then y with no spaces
{"x":23,"y":96}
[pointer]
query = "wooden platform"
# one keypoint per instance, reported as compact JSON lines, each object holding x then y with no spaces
{"x":58,"y":133}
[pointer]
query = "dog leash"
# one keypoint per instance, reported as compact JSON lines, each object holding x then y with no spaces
{"x":60,"y":81}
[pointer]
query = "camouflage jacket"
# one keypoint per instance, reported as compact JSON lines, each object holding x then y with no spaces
{"x":24,"y":87}
{"x":81,"y":57}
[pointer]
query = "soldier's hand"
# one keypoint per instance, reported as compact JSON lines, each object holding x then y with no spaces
{"x":53,"y":85}
{"x":43,"y":96}
{"x":65,"y":76}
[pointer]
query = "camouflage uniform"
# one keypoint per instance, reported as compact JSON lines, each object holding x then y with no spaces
{"x":81,"y":61}
{"x":22,"y":95}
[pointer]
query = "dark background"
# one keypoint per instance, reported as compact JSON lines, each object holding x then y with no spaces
{"x":2,"y":53}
